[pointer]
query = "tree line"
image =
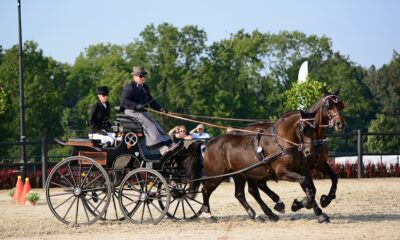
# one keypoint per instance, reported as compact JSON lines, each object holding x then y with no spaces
{"x":251,"y":75}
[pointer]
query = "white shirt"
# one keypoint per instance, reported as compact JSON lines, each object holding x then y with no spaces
{"x":202,"y":135}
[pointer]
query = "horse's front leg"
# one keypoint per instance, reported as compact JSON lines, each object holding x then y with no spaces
{"x":308,"y":201}
{"x":326,"y":200}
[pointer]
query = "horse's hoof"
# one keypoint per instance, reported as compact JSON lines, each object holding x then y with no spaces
{"x":296,"y":205}
{"x":280,"y":207}
{"x":325,"y":201}
{"x":323,"y":218}
{"x":307,"y":202}
{"x":273,"y":217}
{"x":259,"y":219}
{"x":211,"y":220}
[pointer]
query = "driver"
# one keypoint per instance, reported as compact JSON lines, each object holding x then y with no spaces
{"x":135,"y":96}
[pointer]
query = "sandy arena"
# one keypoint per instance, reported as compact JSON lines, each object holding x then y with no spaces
{"x":363,"y":209}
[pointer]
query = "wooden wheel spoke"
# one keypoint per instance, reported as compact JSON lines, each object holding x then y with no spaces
{"x":69,"y":208}
{"x":151,"y":215}
{"x":190,"y":206}
{"x":64,"y":202}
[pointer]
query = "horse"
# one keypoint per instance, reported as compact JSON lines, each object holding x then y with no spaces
{"x":276,"y":152}
{"x":328,"y":115}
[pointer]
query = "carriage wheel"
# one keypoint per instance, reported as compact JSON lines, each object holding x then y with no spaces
{"x":185,"y":203}
{"x":78,"y":191}
{"x":113,"y":213}
{"x":139,"y":192}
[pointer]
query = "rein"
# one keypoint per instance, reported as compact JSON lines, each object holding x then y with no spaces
{"x":173,"y":115}
{"x":264,"y":161}
{"x":220,"y":118}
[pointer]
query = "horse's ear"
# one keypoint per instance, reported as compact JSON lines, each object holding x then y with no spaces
{"x":337,"y":91}
{"x":309,"y":114}
{"x":312,"y":114}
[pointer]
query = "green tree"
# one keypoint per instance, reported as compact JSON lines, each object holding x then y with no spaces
{"x":101,"y":64}
{"x":303,"y":95}
{"x":44,"y":88}
{"x":384,"y":144}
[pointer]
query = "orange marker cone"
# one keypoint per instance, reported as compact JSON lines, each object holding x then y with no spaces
{"x":27,"y":188}
{"x":18,"y":189}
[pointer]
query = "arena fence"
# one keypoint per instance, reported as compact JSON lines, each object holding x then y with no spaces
{"x":12,"y":166}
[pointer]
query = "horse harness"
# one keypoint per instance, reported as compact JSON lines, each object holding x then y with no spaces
{"x":283,"y":151}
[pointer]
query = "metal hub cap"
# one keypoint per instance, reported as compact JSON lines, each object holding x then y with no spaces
{"x":77,"y":191}
{"x":143,"y":197}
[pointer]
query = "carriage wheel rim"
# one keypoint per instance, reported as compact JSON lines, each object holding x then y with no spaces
{"x":75,"y":191}
{"x":138,"y":196}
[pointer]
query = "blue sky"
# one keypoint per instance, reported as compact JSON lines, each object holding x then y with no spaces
{"x":365,"y":30}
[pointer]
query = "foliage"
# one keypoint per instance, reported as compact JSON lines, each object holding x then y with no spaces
{"x":303,"y":95}
{"x":385,"y":85}
{"x":250,"y":75}
{"x":44,"y":88}
{"x":11,"y":192}
{"x":32,"y":196}
{"x":384,"y":144}
{"x":3,"y":103}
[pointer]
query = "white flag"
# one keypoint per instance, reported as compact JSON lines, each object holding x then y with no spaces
{"x":303,"y":72}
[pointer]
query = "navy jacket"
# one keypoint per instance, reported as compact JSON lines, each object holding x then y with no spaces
{"x":99,"y":118}
{"x":133,"y":94}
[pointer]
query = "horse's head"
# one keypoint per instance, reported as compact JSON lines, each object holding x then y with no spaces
{"x":306,"y":131}
{"x":332,"y":106}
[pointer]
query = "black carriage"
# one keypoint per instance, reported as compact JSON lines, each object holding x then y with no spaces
{"x":123,"y":181}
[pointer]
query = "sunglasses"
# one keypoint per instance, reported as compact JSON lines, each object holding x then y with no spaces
{"x":141,"y":76}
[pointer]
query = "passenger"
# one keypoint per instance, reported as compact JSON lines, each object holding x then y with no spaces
{"x":135,"y":97}
{"x":99,"y":119}
{"x":179,"y":133}
{"x":201,"y":134}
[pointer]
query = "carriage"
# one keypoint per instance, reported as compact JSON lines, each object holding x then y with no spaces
{"x":144,"y":187}
{"x":123,"y":181}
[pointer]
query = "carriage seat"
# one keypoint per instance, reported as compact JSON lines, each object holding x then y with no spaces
{"x":125,"y":123}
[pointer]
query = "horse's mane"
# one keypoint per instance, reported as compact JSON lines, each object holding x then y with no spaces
{"x":288,"y":113}
{"x":285,"y":115}
{"x":317,"y":105}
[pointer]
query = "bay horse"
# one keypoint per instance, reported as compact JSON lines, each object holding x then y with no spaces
{"x":328,"y":114}
{"x":277,"y":151}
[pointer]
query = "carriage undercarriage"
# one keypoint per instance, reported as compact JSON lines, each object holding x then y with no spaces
{"x":125,"y":181}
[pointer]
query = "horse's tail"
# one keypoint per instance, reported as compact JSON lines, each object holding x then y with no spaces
{"x":194,"y":164}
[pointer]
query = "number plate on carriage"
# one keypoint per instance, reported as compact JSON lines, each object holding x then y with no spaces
{"x":99,"y":157}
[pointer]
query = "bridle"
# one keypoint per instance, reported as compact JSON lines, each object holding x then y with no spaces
{"x":325,"y":103}
{"x":301,"y":124}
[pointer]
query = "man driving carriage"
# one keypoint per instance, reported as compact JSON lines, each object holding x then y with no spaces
{"x":135,"y":96}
